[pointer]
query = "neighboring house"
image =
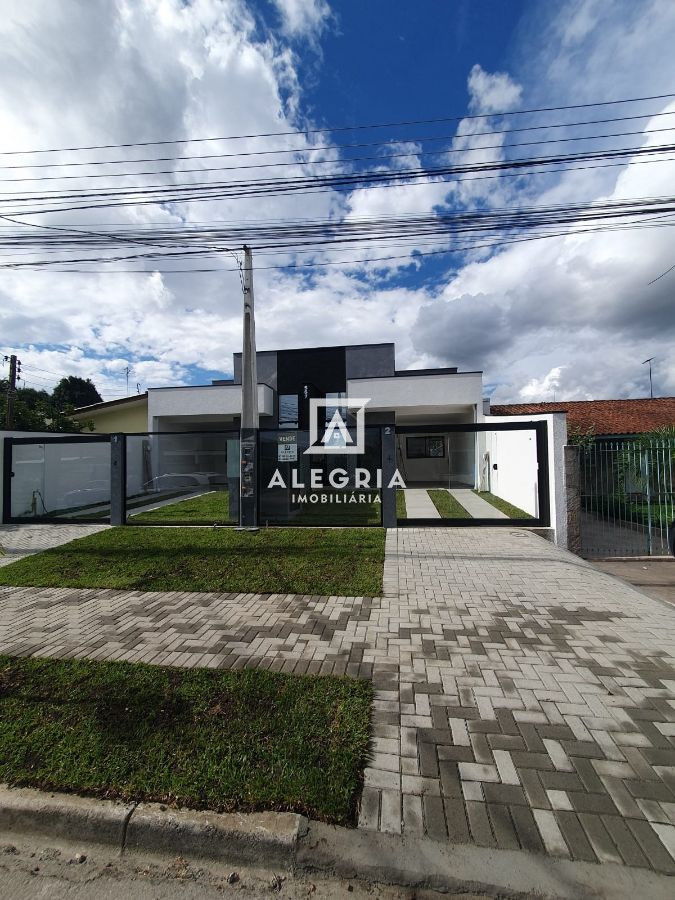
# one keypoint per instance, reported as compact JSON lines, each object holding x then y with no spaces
{"x":604,"y":418}
{"x":126,"y":415}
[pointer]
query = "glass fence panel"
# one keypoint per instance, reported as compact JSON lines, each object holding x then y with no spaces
{"x":300,"y":488}
{"x":467,"y":475}
{"x":61,"y":480}
{"x":189,"y":478}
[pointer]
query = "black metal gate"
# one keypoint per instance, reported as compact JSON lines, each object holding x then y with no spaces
{"x":493,"y":474}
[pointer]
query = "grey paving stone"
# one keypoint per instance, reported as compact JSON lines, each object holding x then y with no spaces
{"x":491,"y":652}
{"x":526,"y":828}
{"x":456,"y":820}
{"x":413,"y":822}
{"x":369,"y":811}
{"x":651,"y":845}
{"x":626,"y":844}
{"x":390,"y":812}
{"x":434,"y":817}
{"x":479,"y":824}
{"x":603,"y":845}
{"x":575,"y":836}
{"x":502,"y":826}
{"x":550,"y":832}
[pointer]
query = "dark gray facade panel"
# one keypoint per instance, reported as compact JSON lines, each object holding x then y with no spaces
{"x":267,"y":367}
{"x":370,"y":361}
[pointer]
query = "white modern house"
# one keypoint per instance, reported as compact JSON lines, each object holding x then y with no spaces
{"x":178,"y":431}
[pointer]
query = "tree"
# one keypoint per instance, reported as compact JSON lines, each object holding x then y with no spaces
{"x":73,"y":392}
{"x":36,"y":411}
{"x":30,"y":408}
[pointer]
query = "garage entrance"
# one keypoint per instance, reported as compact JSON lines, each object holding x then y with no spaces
{"x":478,"y":474}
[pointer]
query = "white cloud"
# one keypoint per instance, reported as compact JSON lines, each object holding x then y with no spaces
{"x":540,"y":389}
{"x":303,"y":18}
{"x":576,"y":305}
{"x":125,"y":70}
{"x":494,"y":92}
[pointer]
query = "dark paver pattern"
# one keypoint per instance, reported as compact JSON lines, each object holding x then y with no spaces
{"x":523,"y":699}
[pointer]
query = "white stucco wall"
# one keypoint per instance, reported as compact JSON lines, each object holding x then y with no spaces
{"x":206,"y":400}
{"x":516,"y":459}
{"x":413,"y":391}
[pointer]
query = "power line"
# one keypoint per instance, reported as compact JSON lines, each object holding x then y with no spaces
{"x":360,"y":127}
{"x":311,"y":149}
{"x":411,"y":258}
{"x":294,"y":236}
{"x":303,"y":163}
{"x":190,"y":192}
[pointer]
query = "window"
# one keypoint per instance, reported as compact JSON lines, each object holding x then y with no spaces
{"x":425,"y":447}
{"x":288,"y":410}
{"x":338,"y":399}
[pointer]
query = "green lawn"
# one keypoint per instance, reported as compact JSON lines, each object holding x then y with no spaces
{"x":207,"y":509}
{"x":401,"y":512}
{"x":447,"y":506}
{"x":339,"y":513}
{"x":200,"y":738}
{"x":513,"y":512}
{"x":322,"y":561}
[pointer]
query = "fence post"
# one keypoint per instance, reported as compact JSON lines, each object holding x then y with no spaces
{"x":388,"y":436}
{"x":118,"y":479}
{"x":573,"y":494}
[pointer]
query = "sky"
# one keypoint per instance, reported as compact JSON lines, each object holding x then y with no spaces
{"x":569,"y":317}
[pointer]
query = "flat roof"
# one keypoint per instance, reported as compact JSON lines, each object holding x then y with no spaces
{"x":322,"y":347}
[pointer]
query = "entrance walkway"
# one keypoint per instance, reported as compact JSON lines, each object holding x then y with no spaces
{"x":523,"y":698}
{"x":419,"y":505}
{"x":476,"y":507}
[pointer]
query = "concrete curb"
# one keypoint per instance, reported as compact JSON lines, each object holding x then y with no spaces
{"x":453,"y":868}
{"x":289,"y":840}
{"x":64,"y":816}
{"x":218,"y":836}
{"x":151,"y":827}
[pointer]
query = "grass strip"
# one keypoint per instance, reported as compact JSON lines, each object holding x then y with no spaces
{"x":200,"y":738}
{"x":513,"y":512}
{"x":208,"y":509}
{"x":401,"y":511}
{"x":447,"y":506}
{"x":347,"y":562}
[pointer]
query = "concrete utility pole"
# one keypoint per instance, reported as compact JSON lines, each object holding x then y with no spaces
{"x":651,"y":386}
{"x":248,"y":505}
{"x":14,"y":364}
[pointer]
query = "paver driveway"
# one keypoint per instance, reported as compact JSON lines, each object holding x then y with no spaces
{"x":524,"y":699}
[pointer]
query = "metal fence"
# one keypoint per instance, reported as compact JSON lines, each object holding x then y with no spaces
{"x":438,"y":474}
{"x":627,"y":499}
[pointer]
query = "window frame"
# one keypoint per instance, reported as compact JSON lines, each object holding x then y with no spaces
{"x":426,"y":454}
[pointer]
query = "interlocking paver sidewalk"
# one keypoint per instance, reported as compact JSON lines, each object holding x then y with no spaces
{"x":17,"y":541}
{"x":523,"y":699}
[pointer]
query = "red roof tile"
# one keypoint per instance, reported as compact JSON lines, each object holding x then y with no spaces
{"x":604,"y":416}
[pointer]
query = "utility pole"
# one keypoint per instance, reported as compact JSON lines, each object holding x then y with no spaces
{"x":248,"y":496}
{"x":651,"y":386}
{"x":14,"y":370}
{"x":128,"y":371}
